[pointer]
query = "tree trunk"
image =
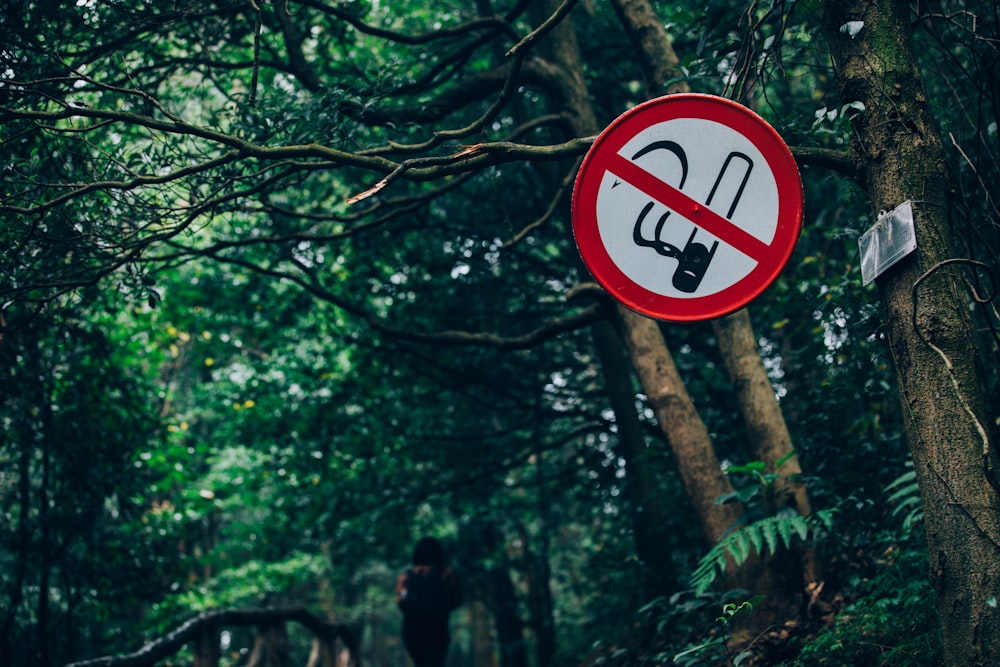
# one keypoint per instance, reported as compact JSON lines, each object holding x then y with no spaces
{"x":648,"y":514}
{"x":206,"y":647}
{"x":323,"y":653}
{"x":761,"y":412}
{"x":19,"y":570}
{"x":496,"y":589}
{"x":44,"y":539}
{"x":698,"y":466}
{"x":772,"y":444}
{"x":483,"y":646}
{"x":929,"y":330}
{"x":539,"y":596}
{"x":734,"y":334}
{"x":780,"y":578}
{"x":270,"y":648}
{"x":660,"y":64}
{"x":509,"y":624}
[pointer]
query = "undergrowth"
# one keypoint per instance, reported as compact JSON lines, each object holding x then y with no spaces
{"x":892,"y":620}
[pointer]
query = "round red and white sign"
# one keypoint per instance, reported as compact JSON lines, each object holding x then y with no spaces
{"x":687,"y":207}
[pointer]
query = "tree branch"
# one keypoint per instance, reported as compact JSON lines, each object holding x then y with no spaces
{"x":166,"y":646}
{"x":490,"y":23}
{"x":540,"y":334}
{"x":843,"y":162}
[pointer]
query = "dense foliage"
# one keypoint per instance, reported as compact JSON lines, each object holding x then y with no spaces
{"x":285,"y":286}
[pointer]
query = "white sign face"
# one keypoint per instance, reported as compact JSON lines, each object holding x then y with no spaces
{"x":717,"y":166}
{"x":687,"y":207}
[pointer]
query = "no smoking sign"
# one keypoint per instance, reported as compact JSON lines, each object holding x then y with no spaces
{"x":687,"y":207}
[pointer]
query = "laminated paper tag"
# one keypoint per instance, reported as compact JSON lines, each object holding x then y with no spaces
{"x":891,"y":239}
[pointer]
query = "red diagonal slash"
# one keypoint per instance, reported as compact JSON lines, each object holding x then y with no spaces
{"x":693,"y":210}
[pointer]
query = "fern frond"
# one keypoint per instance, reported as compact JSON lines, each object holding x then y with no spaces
{"x":905,"y":493}
{"x":770,"y":533}
{"x":756,"y":538}
{"x":761,"y":537}
{"x":784,"y":530}
{"x":799,"y":525}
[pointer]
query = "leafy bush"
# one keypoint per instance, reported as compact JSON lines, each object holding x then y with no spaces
{"x":893,"y":619}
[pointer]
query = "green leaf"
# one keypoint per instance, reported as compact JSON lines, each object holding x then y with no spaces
{"x":784,"y":459}
{"x":756,"y":537}
{"x":740,"y":547}
{"x":770,"y":532}
{"x":800,"y":526}
{"x":700,"y":648}
{"x":785,"y":531}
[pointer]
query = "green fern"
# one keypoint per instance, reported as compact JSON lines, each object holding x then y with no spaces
{"x":763,"y":536}
{"x":905,"y":493}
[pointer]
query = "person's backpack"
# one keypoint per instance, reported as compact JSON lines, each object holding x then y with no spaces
{"x":426,"y":593}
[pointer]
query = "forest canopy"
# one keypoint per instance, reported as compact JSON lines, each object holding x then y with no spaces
{"x":286,"y":286}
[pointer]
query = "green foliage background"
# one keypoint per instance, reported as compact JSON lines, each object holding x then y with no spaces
{"x":221,"y":388}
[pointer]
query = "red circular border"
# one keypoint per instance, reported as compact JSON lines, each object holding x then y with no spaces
{"x":621,"y":131}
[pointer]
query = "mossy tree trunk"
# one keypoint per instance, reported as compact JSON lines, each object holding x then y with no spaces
{"x":930,"y":332}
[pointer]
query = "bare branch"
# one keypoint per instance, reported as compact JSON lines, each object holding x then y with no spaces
{"x":162,"y":648}
{"x":247,"y":148}
{"x":491,"y":23}
{"x":553,"y":207}
{"x":79,"y":190}
{"x":545,"y":28}
{"x":842,"y":162}
{"x":542,"y":333}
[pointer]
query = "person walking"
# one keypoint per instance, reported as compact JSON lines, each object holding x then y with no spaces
{"x":427,"y":592}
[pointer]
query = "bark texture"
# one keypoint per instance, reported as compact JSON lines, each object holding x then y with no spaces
{"x":645,"y":502}
{"x":690,"y":441}
{"x":660,"y":63}
{"x":698,"y":466}
{"x":929,"y":328}
{"x":781,"y":578}
{"x":763,"y":416}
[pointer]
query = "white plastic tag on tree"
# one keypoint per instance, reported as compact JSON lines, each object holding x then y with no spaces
{"x":891,"y":239}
